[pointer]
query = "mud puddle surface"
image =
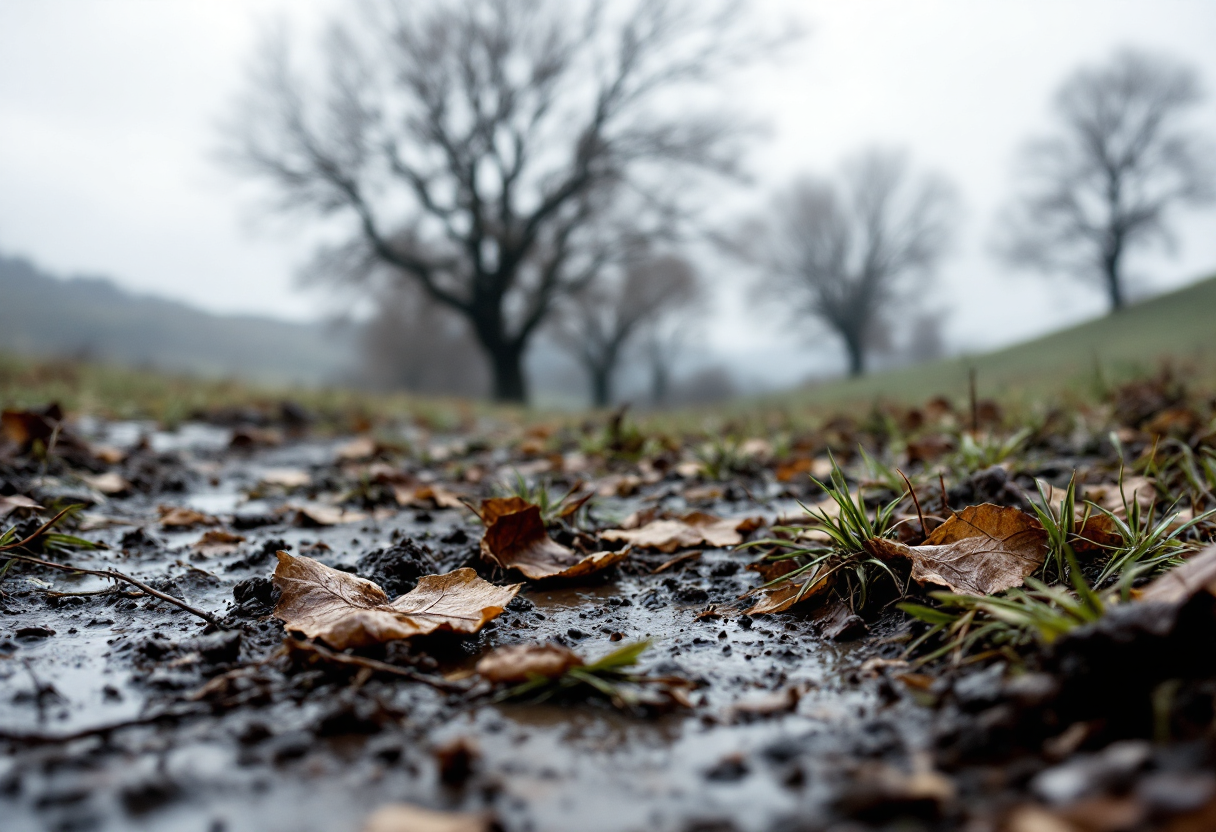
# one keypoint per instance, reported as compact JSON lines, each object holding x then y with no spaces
{"x":121,"y":711}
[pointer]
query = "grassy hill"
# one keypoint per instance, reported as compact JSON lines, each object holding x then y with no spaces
{"x":1179,"y":326}
{"x":90,"y":318}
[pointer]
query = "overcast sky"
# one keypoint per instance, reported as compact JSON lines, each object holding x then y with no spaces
{"x":108,"y":111}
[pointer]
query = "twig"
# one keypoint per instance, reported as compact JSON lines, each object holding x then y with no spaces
{"x":679,"y":559}
{"x":945,"y":497}
{"x":47,"y":739}
{"x":373,"y":664}
{"x":115,"y":575}
{"x":916,"y":500}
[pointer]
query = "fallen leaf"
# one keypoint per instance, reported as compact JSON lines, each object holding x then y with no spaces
{"x":1142,"y":490}
{"x":1183,"y":582}
{"x":618,"y":485}
{"x":17,"y":503}
{"x":23,"y":427}
{"x":108,"y":454}
{"x":783,"y":596}
{"x":1098,"y":536}
{"x":215,"y":543}
{"x":522,"y":662}
{"x":405,"y":817}
{"x":320,"y":514}
{"x":979,"y":551}
{"x":347,"y":611}
{"x":770,"y":704}
{"x":690,"y":531}
{"x":515,"y":538}
{"x":110,"y":483}
{"x":286,"y":477}
{"x":426,"y":496}
{"x":361,"y":447}
{"x":179,"y":517}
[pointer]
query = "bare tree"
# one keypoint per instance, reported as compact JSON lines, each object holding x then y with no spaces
{"x":473,"y":142}
{"x":600,"y":323}
{"x":839,"y":251}
{"x":1108,"y":181}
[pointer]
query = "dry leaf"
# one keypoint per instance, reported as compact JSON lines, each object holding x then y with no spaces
{"x":215,"y":543}
{"x":404,"y":817}
{"x":179,"y":517}
{"x":690,"y":531}
{"x":515,"y":538}
{"x":1183,"y":582}
{"x":361,"y":447}
{"x":347,"y":611}
{"x":426,"y":496}
{"x":521,"y":662}
{"x":286,"y":477}
{"x":1142,"y":490}
{"x":1098,"y":535}
{"x":109,"y":483}
{"x":18,"y":503}
{"x":783,"y":596}
{"x":979,"y":551}
{"x":320,"y":514}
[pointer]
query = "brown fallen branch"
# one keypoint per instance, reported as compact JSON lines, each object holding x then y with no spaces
{"x":114,"y":575}
{"x":24,"y":738}
{"x":372,"y":664}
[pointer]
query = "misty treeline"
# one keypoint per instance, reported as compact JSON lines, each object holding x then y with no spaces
{"x":502,"y":173}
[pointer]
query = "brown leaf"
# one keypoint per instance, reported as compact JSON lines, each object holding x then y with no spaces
{"x":320,"y":514}
{"x":109,"y":483}
{"x":783,"y":596}
{"x":1097,"y":536}
{"x":426,"y":496}
{"x":1184,"y":582}
{"x":979,"y":551}
{"x":179,"y":517}
{"x":1142,"y":490}
{"x":17,"y":503}
{"x":521,"y":662}
{"x":346,"y":611}
{"x":359,"y":448}
{"x":286,"y":478}
{"x":515,"y":538}
{"x":404,"y":817}
{"x":214,"y":543}
{"x":690,"y":531}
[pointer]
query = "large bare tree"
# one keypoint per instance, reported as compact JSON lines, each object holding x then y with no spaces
{"x":598,"y":325}
{"x":1121,"y":162}
{"x":840,"y":250}
{"x":473,"y":142}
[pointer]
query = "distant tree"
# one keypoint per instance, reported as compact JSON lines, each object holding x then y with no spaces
{"x":413,"y":343}
{"x":597,"y":326}
{"x":474,"y":142}
{"x":1122,"y":161}
{"x":840,"y":251}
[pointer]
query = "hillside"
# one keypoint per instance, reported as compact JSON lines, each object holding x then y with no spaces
{"x":1180,"y":325}
{"x":86,"y":317}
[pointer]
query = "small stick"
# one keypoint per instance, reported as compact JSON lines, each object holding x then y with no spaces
{"x":678,"y":559}
{"x":945,"y":498}
{"x":916,"y":500}
{"x":114,"y":575}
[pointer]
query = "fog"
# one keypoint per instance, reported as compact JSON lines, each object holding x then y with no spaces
{"x":108,"y":138}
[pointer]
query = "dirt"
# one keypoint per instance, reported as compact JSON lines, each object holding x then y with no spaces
{"x":119,"y":711}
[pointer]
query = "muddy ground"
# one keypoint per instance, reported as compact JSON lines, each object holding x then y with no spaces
{"x":112,"y":718}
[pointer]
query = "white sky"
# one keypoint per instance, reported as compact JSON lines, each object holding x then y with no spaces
{"x":108,"y":111}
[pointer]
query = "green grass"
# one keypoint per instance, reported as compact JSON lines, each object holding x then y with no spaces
{"x":1180,"y":326}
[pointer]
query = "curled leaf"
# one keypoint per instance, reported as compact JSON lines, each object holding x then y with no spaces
{"x":515,"y":538}
{"x":347,"y":611}
{"x":184,"y":518}
{"x":981,"y":550}
{"x":522,"y":662}
{"x":785,"y":595}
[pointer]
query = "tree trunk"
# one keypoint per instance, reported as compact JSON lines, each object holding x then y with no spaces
{"x":855,"y":346}
{"x":1114,"y":280}
{"x":507,"y":366}
{"x":601,"y":385}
